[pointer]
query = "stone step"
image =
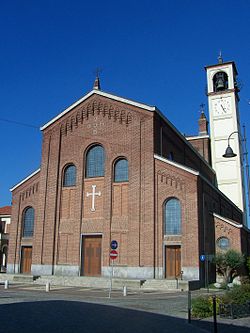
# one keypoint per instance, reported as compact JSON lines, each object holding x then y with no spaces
{"x":161,"y":284}
{"x":22,"y":278}
{"x":77,"y":281}
{"x":89,"y":282}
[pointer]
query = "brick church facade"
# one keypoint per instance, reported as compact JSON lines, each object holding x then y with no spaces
{"x":115,"y":169}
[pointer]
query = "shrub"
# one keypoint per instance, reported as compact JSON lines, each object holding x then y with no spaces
{"x":237,"y":295}
{"x":202,"y":306}
{"x":248,"y":265}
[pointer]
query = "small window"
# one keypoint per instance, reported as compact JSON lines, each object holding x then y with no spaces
{"x":95,"y":162}
{"x":69,"y":178}
{"x":121,"y":171}
{"x":223,"y":243}
{"x":171,"y":156}
{"x":172,"y":217}
{"x":28,"y":222}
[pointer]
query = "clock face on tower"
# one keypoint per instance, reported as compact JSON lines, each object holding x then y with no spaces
{"x":221,"y":106}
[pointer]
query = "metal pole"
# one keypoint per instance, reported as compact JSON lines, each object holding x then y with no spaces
{"x":214,"y":314}
{"x":111,"y":276}
{"x":207,"y":275}
{"x":189,"y":306}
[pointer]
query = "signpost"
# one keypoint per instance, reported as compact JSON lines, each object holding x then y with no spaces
{"x":207,"y":258}
{"x":113,"y":254}
{"x":114,"y":244}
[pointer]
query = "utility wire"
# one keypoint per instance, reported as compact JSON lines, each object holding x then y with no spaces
{"x":18,"y":123}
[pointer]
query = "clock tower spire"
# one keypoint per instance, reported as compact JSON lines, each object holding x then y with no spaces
{"x":224,"y":119}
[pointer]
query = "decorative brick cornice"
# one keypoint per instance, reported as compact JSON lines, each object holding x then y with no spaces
{"x":171,"y":180}
{"x":226,"y":229}
{"x":29,"y":191}
{"x":93,"y":109}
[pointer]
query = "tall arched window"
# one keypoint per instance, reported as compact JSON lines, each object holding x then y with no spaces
{"x":69,"y":177}
{"x":28,"y":222}
{"x":172,"y":217}
{"x":121,"y":170}
{"x":95,"y":162}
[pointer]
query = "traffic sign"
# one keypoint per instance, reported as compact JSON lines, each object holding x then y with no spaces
{"x":114,"y":244}
{"x":202,"y":257}
{"x":113,"y":254}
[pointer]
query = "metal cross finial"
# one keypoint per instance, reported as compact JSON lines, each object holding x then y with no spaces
{"x":220,"y":60}
{"x":202,"y":108}
{"x":97,"y":85}
{"x":97,"y":72}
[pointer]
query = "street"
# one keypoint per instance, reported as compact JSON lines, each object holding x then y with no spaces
{"x":28,"y":308}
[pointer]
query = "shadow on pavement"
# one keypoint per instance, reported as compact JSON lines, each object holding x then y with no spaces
{"x":74,"y":317}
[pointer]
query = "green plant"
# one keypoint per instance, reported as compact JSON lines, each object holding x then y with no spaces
{"x":237,"y":295}
{"x":228,"y":264}
{"x":202,"y":306}
{"x":248,"y":265}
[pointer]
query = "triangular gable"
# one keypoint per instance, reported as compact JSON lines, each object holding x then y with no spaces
{"x":100,"y":93}
{"x":24,"y":180}
{"x":228,"y":221}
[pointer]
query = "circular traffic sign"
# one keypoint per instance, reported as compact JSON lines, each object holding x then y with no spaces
{"x":113,"y":254}
{"x":202,"y":257}
{"x":114,"y":244}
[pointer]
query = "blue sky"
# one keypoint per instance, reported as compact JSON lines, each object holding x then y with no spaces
{"x":150,"y":51}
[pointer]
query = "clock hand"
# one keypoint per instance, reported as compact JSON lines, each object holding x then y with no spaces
{"x":223,"y":108}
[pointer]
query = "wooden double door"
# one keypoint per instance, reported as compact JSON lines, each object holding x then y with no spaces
{"x":26,"y":259}
{"x":172,"y":261}
{"x":91,"y":264}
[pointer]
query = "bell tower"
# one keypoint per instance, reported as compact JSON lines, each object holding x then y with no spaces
{"x":223,"y":99}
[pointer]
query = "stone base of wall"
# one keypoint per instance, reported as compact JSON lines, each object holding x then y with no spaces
{"x":13,"y":269}
{"x":190,"y":273}
{"x":129,"y":272}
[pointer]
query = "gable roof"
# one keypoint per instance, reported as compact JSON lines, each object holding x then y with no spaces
{"x":24,"y":180}
{"x":100,"y":93}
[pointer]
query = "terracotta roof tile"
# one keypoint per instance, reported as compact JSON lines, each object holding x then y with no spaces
{"x":6,"y":210}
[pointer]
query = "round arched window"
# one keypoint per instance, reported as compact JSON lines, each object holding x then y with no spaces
{"x":95,"y":160}
{"x":172,"y":217}
{"x":69,"y":178}
{"x":121,"y":170}
{"x":223,"y":243}
{"x":28,"y":222}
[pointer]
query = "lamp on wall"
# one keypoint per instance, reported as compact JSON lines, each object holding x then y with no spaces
{"x":229,"y":151}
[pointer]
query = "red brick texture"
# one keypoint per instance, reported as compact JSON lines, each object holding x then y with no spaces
{"x":131,"y":213}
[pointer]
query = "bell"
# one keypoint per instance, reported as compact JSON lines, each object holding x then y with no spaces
{"x":220,"y":84}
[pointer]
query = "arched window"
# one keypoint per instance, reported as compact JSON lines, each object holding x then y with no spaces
{"x":95,"y":162}
{"x":223,"y":243}
{"x":69,"y":177}
{"x":172,"y":216}
{"x":28,"y":222}
{"x":220,"y":81}
{"x":121,"y":171}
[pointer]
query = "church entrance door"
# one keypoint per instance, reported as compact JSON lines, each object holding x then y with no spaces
{"x":91,"y":255}
{"x":26,"y":259}
{"x":172,"y":261}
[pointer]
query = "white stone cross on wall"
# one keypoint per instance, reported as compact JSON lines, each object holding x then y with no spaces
{"x":93,"y":193}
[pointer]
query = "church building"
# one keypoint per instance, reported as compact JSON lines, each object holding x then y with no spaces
{"x":116,"y":169}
